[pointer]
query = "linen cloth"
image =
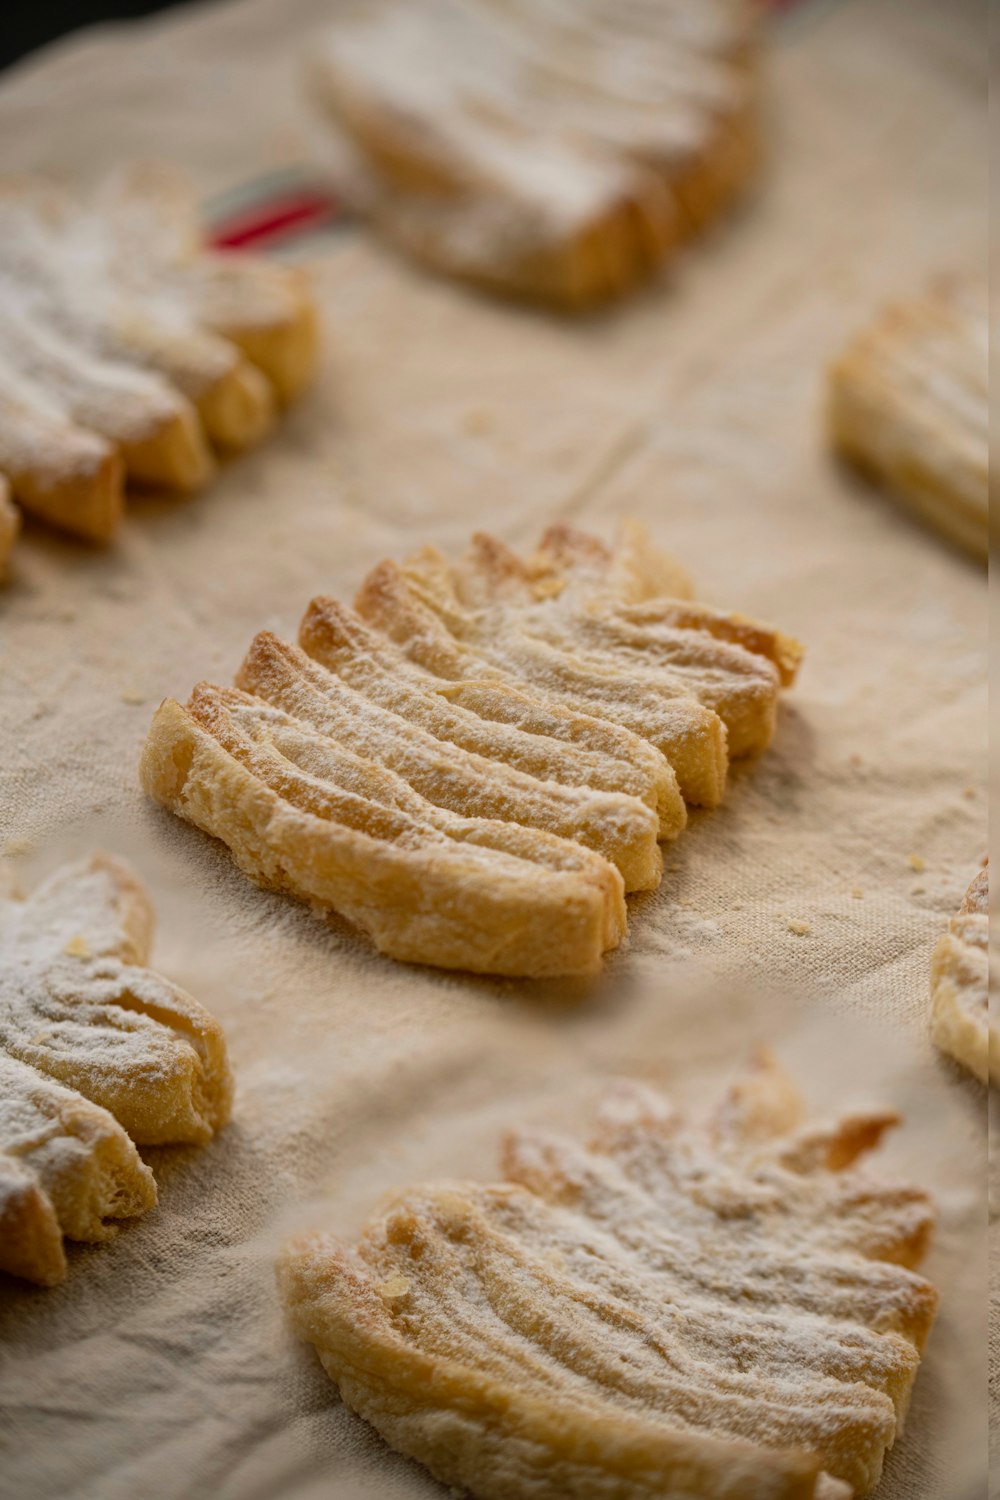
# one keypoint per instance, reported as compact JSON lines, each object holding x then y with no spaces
{"x":162,"y":1367}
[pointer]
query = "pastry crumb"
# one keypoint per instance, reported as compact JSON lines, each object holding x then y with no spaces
{"x":396,"y":1286}
{"x":800,"y":928}
{"x":131,"y":695}
{"x":477,"y":420}
{"x":14,"y":847}
{"x":857,"y":892}
{"x":77,"y":947}
{"x":915,"y":862}
{"x":969,"y":792}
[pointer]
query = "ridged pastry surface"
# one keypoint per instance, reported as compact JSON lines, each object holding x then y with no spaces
{"x":725,"y":1309}
{"x":476,"y":763}
{"x":97,"y":1052}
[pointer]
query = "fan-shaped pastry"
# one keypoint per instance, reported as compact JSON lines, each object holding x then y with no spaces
{"x":128,"y":351}
{"x":66,"y":1168}
{"x":544,"y":149}
{"x":475,"y":764}
{"x":94,"y":1049}
{"x":909,"y":402}
{"x":726,"y":1310}
{"x":960,"y":1012}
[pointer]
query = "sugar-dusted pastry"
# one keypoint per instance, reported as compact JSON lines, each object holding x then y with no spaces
{"x":66,"y":1168}
{"x":726,"y":1310}
{"x":476,"y":763}
{"x":96,"y":1052}
{"x":961,"y":1024}
{"x":543,"y":149}
{"x":76,"y":1002}
{"x":909,"y":402}
{"x":128,"y":351}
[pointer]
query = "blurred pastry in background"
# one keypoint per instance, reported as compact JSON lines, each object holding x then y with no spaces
{"x":129,"y":353}
{"x":555,"y":150}
{"x":10,"y":524}
{"x":476,"y":763}
{"x":720,"y":1308}
{"x":909,"y":404}
{"x":960,"y":974}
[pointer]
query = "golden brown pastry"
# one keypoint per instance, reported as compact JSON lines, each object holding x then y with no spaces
{"x":478,"y":762}
{"x":558,"y":150}
{"x":66,"y":1168}
{"x":725,"y":1310}
{"x":960,"y":974}
{"x":909,"y":402}
{"x":96,"y":1051}
{"x":79,"y":1004}
{"x":128,"y":351}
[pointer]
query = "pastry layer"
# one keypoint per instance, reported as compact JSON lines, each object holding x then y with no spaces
{"x":725,"y":1310}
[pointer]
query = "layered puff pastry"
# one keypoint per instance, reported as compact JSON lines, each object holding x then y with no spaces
{"x":129,"y":352}
{"x":961,"y":1024}
{"x":478,"y":761}
{"x":727,"y":1310}
{"x":556,"y":150}
{"x":98,"y":1054}
{"x":909,"y":404}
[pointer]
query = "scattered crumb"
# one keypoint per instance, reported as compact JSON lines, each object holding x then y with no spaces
{"x":477,"y":420}
{"x":969,"y":792}
{"x":915,"y":862}
{"x":396,"y":1286}
{"x":14,"y":847}
{"x":800,"y":928}
{"x":918,"y":890}
{"x":857,"y":893}
{"x":857,"y":760}
{"x":130,"y":695}
{"x":77,"y":947}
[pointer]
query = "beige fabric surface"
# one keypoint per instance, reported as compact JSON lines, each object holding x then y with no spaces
{"x":162,"y":1368}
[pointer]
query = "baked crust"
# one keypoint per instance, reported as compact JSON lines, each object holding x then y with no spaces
{"x":717,"y":1310}
{"x":554,"y":152}
{"x":66,"y":1168}
{"x":10,"y":524}
{"x":80,"y":1005}
{"x":909,"y":403}
{"x":96,"y":1051}
{"x":961,"y":1024}
{"x":478,"y":762}
{"x":128,"y":351}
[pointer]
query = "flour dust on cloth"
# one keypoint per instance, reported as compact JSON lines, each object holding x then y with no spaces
{"x":129,"y":351}
{"x":476,"y":765}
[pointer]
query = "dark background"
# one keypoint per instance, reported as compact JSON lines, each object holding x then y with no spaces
{"x":27,"y":24}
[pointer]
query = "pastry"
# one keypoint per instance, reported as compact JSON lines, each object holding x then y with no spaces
{"x":66,"y":1168}
{"x":476,"y":763}
{"x":10,"y":524}
{"x":542,"y":149}
{"x":96,"y":1052}
{"x":80,"y":1005}
{"x":909,"y":403}
{"x":727,"y":1311}
{"x":961,"y":1024}
{"x":128,"y":352}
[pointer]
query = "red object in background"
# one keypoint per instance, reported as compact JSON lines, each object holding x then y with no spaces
{"x":285,"y":216}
